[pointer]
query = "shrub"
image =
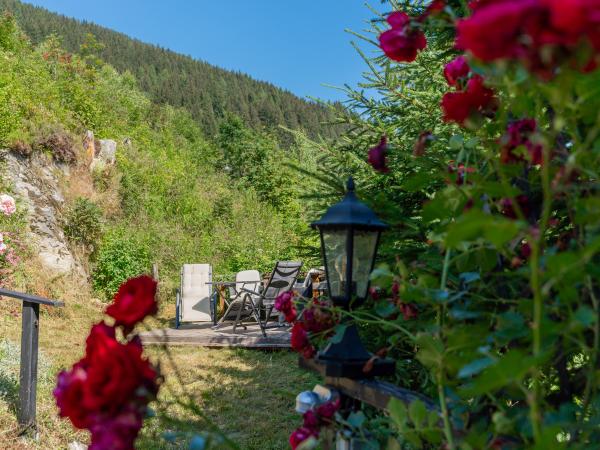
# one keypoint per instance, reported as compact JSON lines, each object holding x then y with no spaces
{"x":119,"y":258}
{"x":61,"y":145}
{"x":83,"y":223}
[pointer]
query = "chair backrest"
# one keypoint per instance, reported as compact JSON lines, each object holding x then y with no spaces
{"x":249,"y":279}
{"x":282,"y":279}
{"x":195,"y":292}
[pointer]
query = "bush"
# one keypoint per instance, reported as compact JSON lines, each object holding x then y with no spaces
{"x":120,"y":257}
{"x":83,"y":223}
{"x":60,"y":144}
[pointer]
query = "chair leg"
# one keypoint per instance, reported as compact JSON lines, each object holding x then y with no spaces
{"x":237,"y":318}
{"x":177,"y":309}
{"x":256,"y":311}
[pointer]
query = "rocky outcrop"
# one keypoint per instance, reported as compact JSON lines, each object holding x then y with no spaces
{"x":100,"y":153}
{"x":35,"y":182}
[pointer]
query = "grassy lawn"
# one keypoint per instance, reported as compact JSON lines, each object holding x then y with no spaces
{"x":248,"y":394}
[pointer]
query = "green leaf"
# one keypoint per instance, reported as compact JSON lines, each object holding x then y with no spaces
{"x":472,"y":143}
{"x":509,"y":369}
{"x":431,"y":350}
{"x":476,"y":225}
{"x":356,"y":419}
{"x":473,"y":368}
{"x":456,"y":142}
{"x":417,"y":182}
{"x":398,"y":413}
{"x":417,"y":413}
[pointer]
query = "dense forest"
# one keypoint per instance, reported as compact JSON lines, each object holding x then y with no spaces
{"x":207,"y":92}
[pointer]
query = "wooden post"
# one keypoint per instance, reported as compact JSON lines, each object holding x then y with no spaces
{"x":29,"y":364}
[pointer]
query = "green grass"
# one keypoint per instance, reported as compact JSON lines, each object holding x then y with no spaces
{"x":248,"y":394}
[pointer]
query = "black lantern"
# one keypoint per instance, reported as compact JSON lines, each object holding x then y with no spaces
{"x":350,"y":233}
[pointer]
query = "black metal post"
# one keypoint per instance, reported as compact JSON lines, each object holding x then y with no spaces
{"x":29,"y":364}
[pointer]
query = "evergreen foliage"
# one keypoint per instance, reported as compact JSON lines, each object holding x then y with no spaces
{"x":206,"y":91}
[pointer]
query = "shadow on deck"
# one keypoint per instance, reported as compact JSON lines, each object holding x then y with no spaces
{"x":203,"y":335}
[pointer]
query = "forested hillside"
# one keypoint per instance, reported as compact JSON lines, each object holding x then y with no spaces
{"x":174,"y":196}
{"x":207,"y":92}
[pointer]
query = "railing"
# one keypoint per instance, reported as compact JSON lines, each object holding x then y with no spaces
{"x":29,"y":354}
{"x":370,"y":391}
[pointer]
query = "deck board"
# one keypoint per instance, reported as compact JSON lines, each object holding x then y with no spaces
{"x":204,"y":336}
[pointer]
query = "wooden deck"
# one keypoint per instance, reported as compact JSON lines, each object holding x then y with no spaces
{"x":202,"y":335}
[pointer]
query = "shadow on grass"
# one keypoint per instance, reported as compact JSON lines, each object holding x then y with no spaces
{"x":248,"y":394}
{"x":9,"y":392}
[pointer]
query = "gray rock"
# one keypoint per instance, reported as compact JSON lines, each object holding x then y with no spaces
{"x":36,"y":186}
{"x":107,"y":154}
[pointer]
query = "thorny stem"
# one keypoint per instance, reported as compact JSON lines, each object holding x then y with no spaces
{"x":440,"y":373}
{"x":594,"y":357}
{"x":537,"y":239}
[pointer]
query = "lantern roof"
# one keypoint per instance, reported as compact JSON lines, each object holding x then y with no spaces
{"x":350,"y":212}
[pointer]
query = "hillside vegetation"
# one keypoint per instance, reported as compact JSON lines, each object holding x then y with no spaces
{"x":207,"y":92}
{"x":173,"y":196}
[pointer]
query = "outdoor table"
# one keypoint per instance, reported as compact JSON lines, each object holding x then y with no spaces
{"x":221,"y":289}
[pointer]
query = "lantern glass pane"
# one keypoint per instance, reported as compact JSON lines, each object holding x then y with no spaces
{"x":334,"y":245}
{"x":365,"y":243}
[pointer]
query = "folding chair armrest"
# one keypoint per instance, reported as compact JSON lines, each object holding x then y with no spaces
{"x":250,"y":291}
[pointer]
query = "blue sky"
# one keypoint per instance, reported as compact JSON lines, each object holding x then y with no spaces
{"x":298,"y":45}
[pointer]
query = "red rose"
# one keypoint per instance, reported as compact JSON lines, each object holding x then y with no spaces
{"x":456,"y":70}
{"x":402,"y":42}
{"x":69,"y":395}
{"x":299,"y":436}
{"x":311,"y":420}
{"x":518,"y":134}
{"x":398,"y":19}
{"x":117,"y":432}
{"x":377,"y":156}
{"x":508,"y":210}
{"x":133,"y":302}
{"x":299,"y":338}
{"x":284,"y":304}
{"x":542,"y":34}
{"x":116,"y":373}
{"x":409,"y":311}
{"x":475,"y":100}
{"x":495,"y":28}
{"x":327,"y":410}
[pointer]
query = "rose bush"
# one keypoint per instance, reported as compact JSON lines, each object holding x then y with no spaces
{"x":108,"y":390}
{"x":488,"y":295}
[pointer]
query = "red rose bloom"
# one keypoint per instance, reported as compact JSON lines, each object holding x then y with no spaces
{"x":475,"y":100}
{"x":377,"y":156}
{"x":519,"y":134}
{"x":311,"y":420}
{"x":403,"y":41}
{"x":133,"y":302}
{"x":285,"y":305}
{"x":495,"y":28}
{"x":69,"y":394}
{"x":542,"y":34}
{"x":117,"y":432}
{"x":299,"y":338}
{"x":456,"y":70}
{"x":299,"y":436}
{"x":115,"y":372}
{"x":508,"y":210}
{"x":327,"y":410}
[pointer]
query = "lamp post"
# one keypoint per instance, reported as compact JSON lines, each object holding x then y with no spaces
{"x":350,"y":233}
